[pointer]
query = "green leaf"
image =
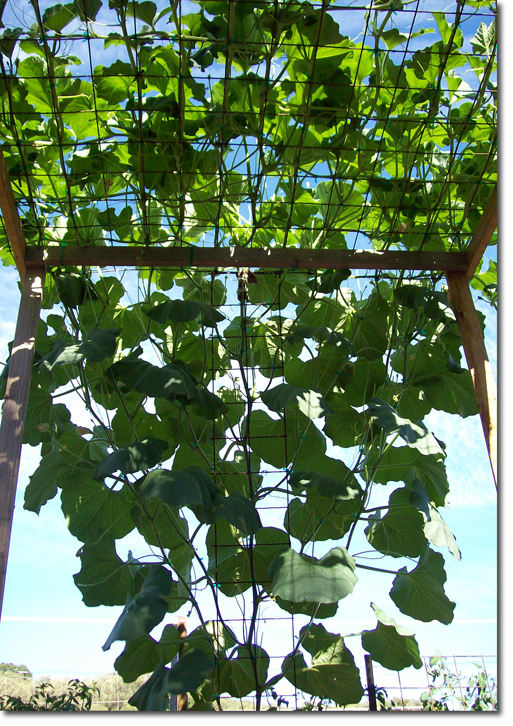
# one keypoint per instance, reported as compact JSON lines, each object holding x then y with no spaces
{"x":184,"y":311}
{"x":452,"y":392}
{"x":96,"y":346}
{"x":300,"y":578}
{"x":104,"y":579}
{"x":439,"y":533}
{"x":146,"y":610}
{"x":332,"y":674}
{"x":332,"y":279}
{"x":208,"y":405}
{"x":228,"y":562}
{"x":133,"y":457}
{"x":317,"y":519}
{"x":415,"y":435}
{"x":170,"y":381}
{"x":390,"y":644}
{"x":187,"y":487}
{"x":189,"y":672}
{"x":401,"y":531}
{"x":143,"y":655}
{"x":90,"y":507}
{"x":153,"y":695}
{"x":346,"y":426}
{"x":309,"y":402}
{"x":58,"y":16}
{"x":268,"y":439}
{"x":420,"y":593}
{"x":87,"y":10}
{"x":406,"y":464}
{"x":237,"y":674}
{"x":237,"y":510}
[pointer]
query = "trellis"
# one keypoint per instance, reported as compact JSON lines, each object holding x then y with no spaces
{"x":363,"y":217}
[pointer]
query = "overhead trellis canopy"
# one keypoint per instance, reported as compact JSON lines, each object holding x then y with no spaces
{"x":258,"y":124}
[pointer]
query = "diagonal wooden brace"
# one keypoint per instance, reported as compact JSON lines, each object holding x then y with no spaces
{"x":477,"y":359}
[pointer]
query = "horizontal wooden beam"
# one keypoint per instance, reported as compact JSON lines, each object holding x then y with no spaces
{"x":482,"y":236}
{"x":224,"y":257}
{"x":11,"y":218}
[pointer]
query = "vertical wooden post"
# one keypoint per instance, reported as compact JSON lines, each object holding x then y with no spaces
{"x":371,"y":688}
{"x":11,"y":218}
{"x":15,"y":407}
{"x":477,"y":359}
{"x":179,"y":702}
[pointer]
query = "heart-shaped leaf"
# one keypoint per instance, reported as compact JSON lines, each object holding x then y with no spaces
{"x":183,"y":311}
{"x":300,"y":578}
{"x":182,"y":488}
{"x":133,"y":457}
{"x":309,"y":402}
{"x":146,"y":610}
{"x":390,"y":644}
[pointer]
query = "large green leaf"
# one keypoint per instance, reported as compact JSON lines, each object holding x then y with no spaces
{"x":143,"y":655}
{"x":318,"y":518}
{"x":390,"y":644}
{"x":401,"y":531}
{"x":237,"y":674}
{"x":184,"y":488}
{"x":153,"y":695}
{"x":183,"y":311}
{"x":90,"y":507}
{"x":420,"y":592}
{"x":190,"y":671}
{"x":406,"y":464}
{"x":416,"y":435}
{"x":104,"y":579}
{"x":133,"y":457}
{"x":268,"y":440}
{"x":332,"y":674}
{"x":439,"y":533}
{"x":452,"y":392}
{"x":300,"y":578}
{"x":171,"y":381}
{"x":309,"y":402}
{"x":228,"y":561}
{"x":146,"y":610}
{"x":96,"y":346}
{"x":237,"y":510}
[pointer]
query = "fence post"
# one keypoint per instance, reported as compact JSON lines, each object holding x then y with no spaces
{"x":181,"y":701}
{"x":371,"y":688}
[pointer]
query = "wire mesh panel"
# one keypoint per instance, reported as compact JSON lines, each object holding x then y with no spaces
{"x":250,"y":124}
{"x":244,"y":446}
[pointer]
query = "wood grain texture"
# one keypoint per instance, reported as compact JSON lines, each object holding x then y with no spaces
{"x":15,"y":407}
{"x":482,"y":236}
{"x":477,"y":359}
{"x":226,"y":257}
{"x":11,"y":218}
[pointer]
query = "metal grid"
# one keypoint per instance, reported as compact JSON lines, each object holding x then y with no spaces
{"x":317,"y":125}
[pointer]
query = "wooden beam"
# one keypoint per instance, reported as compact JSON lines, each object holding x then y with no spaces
{"x":15,"y":407}
{"x":179,"y":702}
{"x":225,"y":257}
{"x":477,"y":359}
{"x":11,"y":218}
{"x":482,"y":236}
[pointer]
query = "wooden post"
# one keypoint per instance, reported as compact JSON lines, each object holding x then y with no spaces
{"x":371,"y":688}
{"x":15,"y":407}
{"x":480,"y":369}
{"x":11,"y":218}
{"x":179,"y":702}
